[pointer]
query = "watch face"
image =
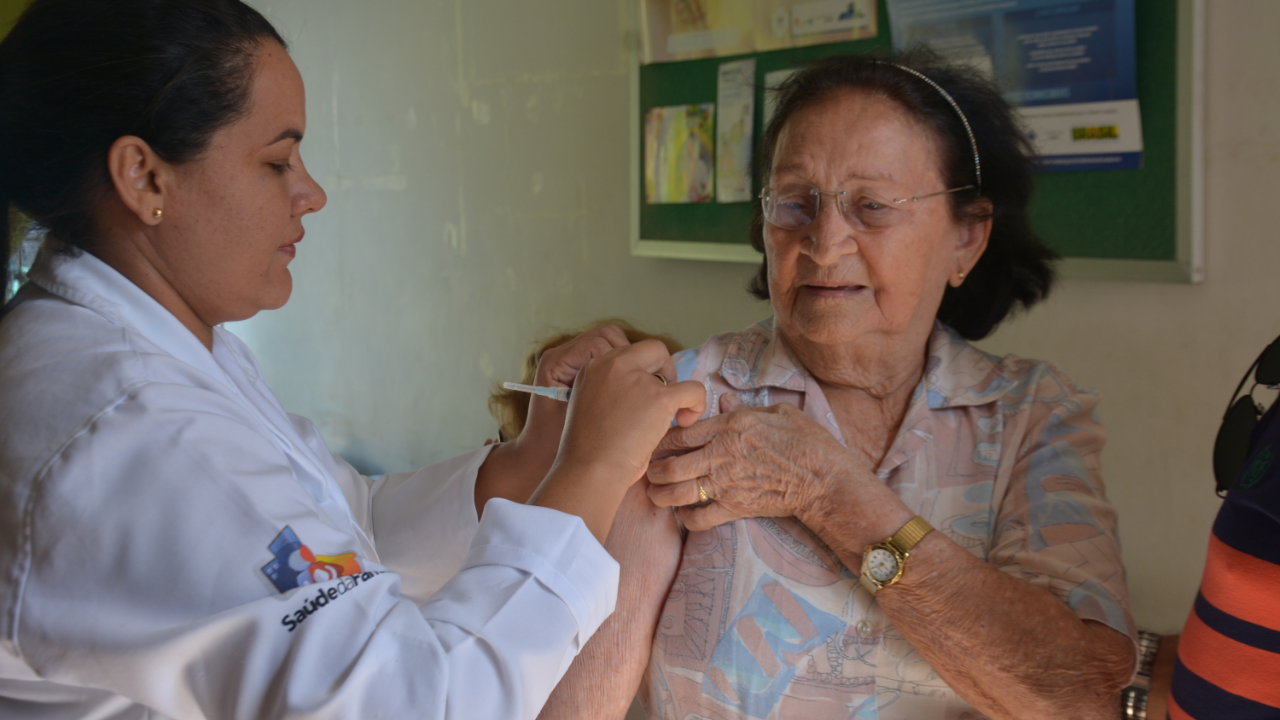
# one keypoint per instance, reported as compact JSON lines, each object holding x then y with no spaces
{"x":882,"y":564}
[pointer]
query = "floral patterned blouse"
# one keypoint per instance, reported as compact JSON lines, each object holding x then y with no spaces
{"x":999,"y":454}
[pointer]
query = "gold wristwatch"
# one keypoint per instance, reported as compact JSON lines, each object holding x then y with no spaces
{"x":884,"y":562}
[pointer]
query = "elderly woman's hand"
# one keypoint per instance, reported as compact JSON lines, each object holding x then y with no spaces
{"x":768,"y":462}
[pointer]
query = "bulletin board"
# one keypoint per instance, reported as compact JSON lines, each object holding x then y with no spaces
{"x":1143,"y":224}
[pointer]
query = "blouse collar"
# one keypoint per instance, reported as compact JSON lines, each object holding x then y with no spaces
{"x":956,"y":373}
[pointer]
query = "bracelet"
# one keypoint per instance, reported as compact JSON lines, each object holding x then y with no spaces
{"x":1133,"y":699}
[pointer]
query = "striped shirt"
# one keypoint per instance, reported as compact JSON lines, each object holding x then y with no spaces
{"x":1229,"y":656}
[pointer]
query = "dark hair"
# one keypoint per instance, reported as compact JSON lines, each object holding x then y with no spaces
{"x":75,"y":75}
{"x":1017,"y":267}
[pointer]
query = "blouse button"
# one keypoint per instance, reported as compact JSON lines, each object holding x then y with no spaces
{"x":864,"y":629}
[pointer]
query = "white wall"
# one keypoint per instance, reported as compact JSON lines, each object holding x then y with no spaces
{"x":475,"y":155}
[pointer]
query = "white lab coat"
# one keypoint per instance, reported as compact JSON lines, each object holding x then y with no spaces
{"x":153,"y":500}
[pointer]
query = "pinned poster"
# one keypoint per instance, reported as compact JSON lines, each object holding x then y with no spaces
{"x":678,"y":145}
{"x":1069,"y":66}
{"x":736,"y":107}
{"x":674,"y":30}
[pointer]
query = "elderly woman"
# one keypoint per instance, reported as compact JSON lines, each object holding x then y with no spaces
{"x":884,"y":521}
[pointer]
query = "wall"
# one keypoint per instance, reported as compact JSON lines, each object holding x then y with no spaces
{"x":475,"y":155}
{"x":475,"y":159}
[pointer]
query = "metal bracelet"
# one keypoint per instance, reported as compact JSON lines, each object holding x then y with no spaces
{"x":1133,"y":703}
{"x":1133,"y":699}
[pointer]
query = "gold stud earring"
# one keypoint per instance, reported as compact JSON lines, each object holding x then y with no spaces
{"x":962,"y":277}
{"x":157,"y":213}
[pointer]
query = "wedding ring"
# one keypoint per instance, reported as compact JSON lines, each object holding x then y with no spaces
{"x":702,"y":492}
{"x":661,"y":377}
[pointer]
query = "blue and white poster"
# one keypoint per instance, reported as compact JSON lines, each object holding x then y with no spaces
{"x":1068,"y":66}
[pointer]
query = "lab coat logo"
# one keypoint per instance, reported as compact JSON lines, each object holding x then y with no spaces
{"x":295,"y":565}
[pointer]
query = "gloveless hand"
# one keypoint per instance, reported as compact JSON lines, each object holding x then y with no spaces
{"x":620,"y":410}
{"x":618,"y":413}
{"x":766,"y":462}
{"x":514,"y":469}
{"x":558,"y":367}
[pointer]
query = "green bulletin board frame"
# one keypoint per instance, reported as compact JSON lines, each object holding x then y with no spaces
{"x":1144,"y":224}
{"x":9,"y":12}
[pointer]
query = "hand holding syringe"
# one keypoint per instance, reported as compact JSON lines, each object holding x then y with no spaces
{"x":555,"y":393}
{"x":615,"y":419}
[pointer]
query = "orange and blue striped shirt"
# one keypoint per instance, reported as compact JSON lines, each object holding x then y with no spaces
{"x":1229,"y":656}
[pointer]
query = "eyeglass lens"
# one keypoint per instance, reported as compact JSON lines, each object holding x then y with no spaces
{"x":794,"y":206}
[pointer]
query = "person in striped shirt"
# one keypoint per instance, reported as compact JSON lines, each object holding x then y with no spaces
{"x":1229,"y":656}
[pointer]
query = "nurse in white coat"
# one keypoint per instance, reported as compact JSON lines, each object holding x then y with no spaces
{"x":173,"y":544}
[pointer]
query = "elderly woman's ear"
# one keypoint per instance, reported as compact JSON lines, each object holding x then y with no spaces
{"x":972,"y":242}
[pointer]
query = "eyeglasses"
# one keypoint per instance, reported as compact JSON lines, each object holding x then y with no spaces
{"x":794,"y":206}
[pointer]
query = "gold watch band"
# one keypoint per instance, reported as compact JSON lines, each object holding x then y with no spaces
{"x":910,"y":534}
{"x":900,"y":545}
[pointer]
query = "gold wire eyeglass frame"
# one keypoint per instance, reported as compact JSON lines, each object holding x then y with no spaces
{"x":818,"y":193}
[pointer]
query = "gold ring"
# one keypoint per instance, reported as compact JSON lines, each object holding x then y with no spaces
{"x":702,"y":492}
{"x":661,"y":377}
